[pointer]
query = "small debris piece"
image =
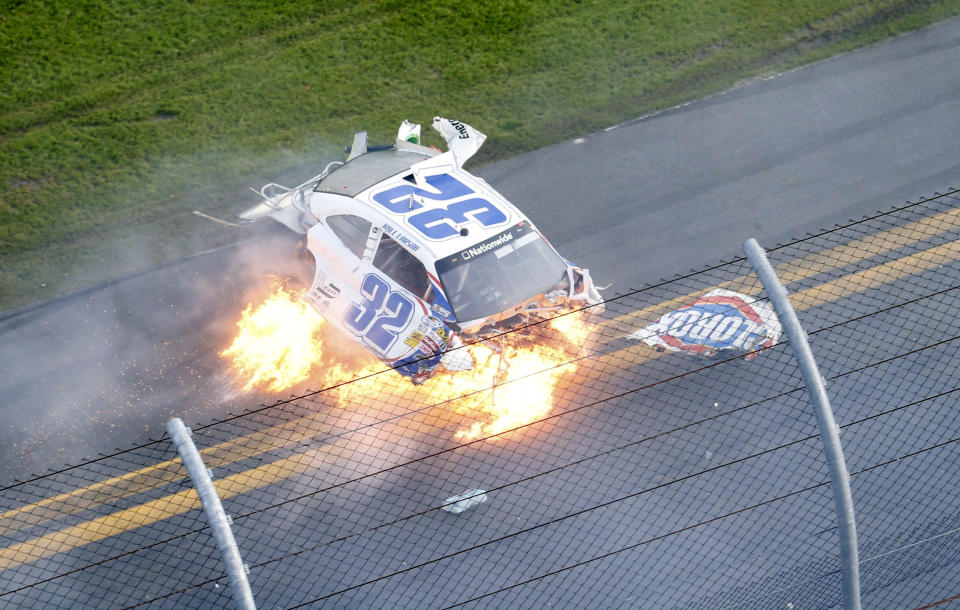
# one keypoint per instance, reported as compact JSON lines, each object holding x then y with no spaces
{"x":458,"y":504}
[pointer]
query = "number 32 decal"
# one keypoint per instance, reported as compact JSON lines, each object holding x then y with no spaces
{"x":381,"y":316}
{"x":440,"y":222}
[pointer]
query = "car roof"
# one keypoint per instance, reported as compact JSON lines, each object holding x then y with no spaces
{"x":366,"y":170}
{"x":359,"y":177}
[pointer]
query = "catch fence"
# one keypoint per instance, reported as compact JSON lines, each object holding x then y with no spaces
{"x":651,"y":479}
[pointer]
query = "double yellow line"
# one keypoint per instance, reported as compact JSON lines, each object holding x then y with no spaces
{"x":826,"y":260}
{"x":301,"y":429}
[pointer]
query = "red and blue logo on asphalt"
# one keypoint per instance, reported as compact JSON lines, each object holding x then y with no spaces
{"x":720,"y":320}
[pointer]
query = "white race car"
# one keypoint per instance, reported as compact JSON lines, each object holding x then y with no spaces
{"x":414,"y":255}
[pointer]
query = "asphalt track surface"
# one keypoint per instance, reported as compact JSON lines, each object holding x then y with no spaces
{"x":642,"y":201}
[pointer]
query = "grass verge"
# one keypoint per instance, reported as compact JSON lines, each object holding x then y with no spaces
{"x":118,"y":119}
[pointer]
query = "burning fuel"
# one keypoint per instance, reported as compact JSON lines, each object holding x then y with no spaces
{"x":277,"y":344}
{"x":508,"y":389}
{"x":281,"y":343}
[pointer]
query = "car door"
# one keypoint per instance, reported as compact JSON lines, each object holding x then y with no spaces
{"x":392,"y":318}
{"x":367,"y":286}
{"x":337,"y":244}
{"x":419,"y":344}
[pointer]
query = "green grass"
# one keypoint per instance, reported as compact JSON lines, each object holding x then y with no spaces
{"x":119,"y":118}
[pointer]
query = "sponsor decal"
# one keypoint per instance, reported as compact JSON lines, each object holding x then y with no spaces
{"x":430,"y":346}
{"x":330,"y":290}
{"x":323,"y":291}
{"x":318,"y":303}
{"x":430,"y":339}
{"x":430,"y":336}
{"x":439,"y":305}
{"x":486,"y":246}
{"x":461,"y":129}
{"x":441,"y":331}
{"x":400,"y":238}
{"x":500,"y":245}
{"x":718,"y":321}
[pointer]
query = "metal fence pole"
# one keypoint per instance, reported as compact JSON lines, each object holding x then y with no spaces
{"x":829,"y":433}
{"x":216,"y":516}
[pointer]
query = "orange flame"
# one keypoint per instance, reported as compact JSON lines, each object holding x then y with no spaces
{"x":524,"y":379}
{"x":280,"y":344}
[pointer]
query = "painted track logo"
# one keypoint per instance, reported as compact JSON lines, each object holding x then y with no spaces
{"x":721,"y":320}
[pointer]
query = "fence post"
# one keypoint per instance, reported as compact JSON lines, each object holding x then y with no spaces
{"x":213,"y":509}
{"x":829,"y":433}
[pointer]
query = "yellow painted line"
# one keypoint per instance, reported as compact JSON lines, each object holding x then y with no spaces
{"x":178,"y":503}
{"x":97,"y":529}
{"x":818,"y":262}
{"x":845,"y":286}
{"x":160,"y":509}
{"x":156,"y":475}
{"x":181,"y":502}
{"x":87,"y":497}
{"x":875,"y":277}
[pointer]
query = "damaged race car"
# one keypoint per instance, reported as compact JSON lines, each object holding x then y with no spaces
{"x":415,"y":256}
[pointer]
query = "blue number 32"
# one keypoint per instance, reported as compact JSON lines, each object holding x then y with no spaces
{"x":440,"y":222}
{"x":382,"y":314}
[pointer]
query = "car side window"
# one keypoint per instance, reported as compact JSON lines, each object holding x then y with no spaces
{"x":352,"y":231}
{"x":402,"y":266}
